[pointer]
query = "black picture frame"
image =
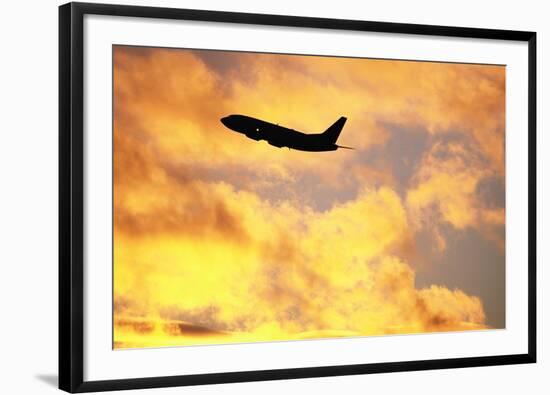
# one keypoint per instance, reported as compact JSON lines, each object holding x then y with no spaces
{"x":71,"y":204}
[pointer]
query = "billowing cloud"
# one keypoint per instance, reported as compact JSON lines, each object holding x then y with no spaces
{"x":448,"y":188}
{"x":222,"y":239}
{"x":296,"y":273}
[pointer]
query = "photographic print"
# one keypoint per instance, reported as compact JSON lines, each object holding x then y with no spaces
{"x":273,"y":197}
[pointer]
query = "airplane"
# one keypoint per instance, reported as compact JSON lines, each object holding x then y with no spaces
{"x":279,"y":136}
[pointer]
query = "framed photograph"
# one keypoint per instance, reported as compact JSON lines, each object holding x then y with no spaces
{"x":250,"y":197}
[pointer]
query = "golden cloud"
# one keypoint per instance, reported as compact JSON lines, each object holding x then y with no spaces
{"x":217,"y":239}
{"x":446,"y":191}
{"x":297,"y":274}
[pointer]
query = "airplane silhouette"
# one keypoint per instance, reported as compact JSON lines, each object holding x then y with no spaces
{"x":279,"y":136}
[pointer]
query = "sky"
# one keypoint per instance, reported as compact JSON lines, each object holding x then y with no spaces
{"x":222,"y":239}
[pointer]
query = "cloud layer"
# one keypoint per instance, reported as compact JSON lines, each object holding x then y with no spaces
{"x":222,"y":239}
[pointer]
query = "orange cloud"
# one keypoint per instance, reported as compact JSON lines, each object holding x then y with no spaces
{"x":298,"y":274}
{"x":446,"y":191}
{"x":219,"y":239}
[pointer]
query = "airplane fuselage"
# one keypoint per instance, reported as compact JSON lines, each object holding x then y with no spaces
{"x":278,"y":136}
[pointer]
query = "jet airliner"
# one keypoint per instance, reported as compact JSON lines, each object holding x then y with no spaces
{"x":279,"y":136}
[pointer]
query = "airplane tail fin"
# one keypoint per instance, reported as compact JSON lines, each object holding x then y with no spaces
{"x":333,"y":132}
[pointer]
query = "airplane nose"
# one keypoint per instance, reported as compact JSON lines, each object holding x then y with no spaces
{"x":225,"y":121}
